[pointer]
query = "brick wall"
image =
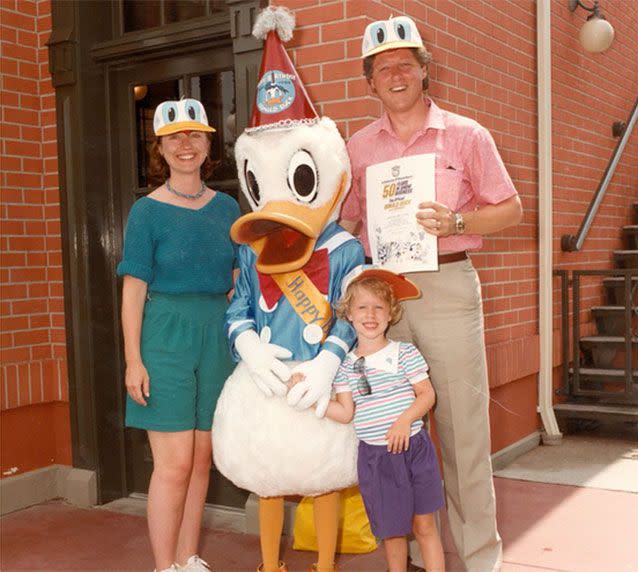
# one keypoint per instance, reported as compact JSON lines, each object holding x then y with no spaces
{"x":33,"y":367}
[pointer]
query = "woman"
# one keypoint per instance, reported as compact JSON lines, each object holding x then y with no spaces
{"x":177,"y":267}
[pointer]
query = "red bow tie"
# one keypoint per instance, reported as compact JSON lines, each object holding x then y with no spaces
{"x":317,"y":269}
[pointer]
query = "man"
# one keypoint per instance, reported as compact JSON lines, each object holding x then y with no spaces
{"x":474,"y":196}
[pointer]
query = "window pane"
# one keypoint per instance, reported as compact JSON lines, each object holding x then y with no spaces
{"x":217,"y":93}
{"x":141,"y":15}
{"x":180,"y":10}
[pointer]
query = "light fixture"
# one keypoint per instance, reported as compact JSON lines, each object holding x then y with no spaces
{"x":140,"y":91}
{"x":597,"y":33}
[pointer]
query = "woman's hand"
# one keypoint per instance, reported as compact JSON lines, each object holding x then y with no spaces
{"x":137,"y":382}
{"x":398,"y":435}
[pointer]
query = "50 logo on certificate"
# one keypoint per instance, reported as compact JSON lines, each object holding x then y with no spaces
{"x":394,"y":190}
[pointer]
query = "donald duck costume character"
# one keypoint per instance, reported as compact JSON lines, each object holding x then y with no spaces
{"x":294,"y":170}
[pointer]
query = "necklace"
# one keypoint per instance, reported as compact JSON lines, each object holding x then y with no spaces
{"x":194,"y":197}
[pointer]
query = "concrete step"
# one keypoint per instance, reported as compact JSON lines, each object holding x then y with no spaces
{"x":615,"y":287}
{"x":626,"y":258}
{"x":630,"y":234}
{"x":596,"y":411}
{"x":607,"y":352}
{"x":610,"y":320}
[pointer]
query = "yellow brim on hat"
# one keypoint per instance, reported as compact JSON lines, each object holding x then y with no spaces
{"x":392,"y":46}
{"x":183,"y":126}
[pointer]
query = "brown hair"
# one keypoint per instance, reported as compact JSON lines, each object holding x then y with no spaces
{"x":158,"y":171}
{"x":376,"y":286}
{"x":421,"y":55}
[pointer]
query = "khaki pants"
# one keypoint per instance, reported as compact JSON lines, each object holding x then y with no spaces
{"x":446,"y":324}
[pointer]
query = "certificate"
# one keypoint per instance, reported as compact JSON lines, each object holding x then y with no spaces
{"x":394,"y":190}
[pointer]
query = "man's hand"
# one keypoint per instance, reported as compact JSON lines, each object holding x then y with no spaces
{"x":398,"y":435}
{"x":263,"y":362}
{"x":317,"y":385}
{"x":436,"y":218}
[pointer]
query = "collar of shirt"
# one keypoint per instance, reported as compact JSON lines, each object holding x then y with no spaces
{"x":433,"y":120}
{"x":386,"y":359}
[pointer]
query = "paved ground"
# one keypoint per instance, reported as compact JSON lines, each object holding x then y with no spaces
{"x":545,"y":527}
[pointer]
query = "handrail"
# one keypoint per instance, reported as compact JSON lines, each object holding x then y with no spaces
{"x":571,"y":243}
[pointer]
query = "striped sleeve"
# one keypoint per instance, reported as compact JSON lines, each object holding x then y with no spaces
{"x":413,"y":363}
{"x":341,"y":383}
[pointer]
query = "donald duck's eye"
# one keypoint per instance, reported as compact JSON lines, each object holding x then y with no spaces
{"x":251,"y":183}
{"x":302,"y":176}
{"x":378,"y":34}
{"x":169,"y":112}
{"x":192,"y":108}
{"x":402,"y":29}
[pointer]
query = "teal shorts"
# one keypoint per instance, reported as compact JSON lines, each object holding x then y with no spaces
{"x":186,"y":354}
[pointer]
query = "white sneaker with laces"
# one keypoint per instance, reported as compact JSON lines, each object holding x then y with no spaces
{"x":195,"y":564}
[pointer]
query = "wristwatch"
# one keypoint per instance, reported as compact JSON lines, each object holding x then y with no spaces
{"x":459,"y":223}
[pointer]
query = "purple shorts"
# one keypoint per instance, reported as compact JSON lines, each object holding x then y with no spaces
{"x":395,"y":487}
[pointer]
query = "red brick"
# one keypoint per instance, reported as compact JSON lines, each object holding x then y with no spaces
{"x":24,"y":212}
{"x":14,"y":292}
{"x":28,"y":274}
{"x":31,"y":337}
{"x":13,"y":323}
{"x":18,"y":52}
{"x":38,"y":290}
{"x":319,"y":54}
{"x":11,"y":386}
{"x":320,"y":14}
{"x":341,"y":70}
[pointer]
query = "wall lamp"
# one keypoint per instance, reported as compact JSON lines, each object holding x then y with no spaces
{"x":597,"y":33}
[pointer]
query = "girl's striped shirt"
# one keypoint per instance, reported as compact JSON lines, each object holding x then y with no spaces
{"x":390,"y":372}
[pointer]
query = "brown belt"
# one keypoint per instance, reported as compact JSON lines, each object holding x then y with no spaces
{"x":452,"y":257}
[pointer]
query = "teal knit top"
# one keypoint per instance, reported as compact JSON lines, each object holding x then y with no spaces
{"x":177,"y":250}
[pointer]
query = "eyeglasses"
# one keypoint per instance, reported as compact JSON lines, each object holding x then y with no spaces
{"x":363,"y":385}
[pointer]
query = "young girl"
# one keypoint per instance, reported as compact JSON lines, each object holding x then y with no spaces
{"x":385,"y":386}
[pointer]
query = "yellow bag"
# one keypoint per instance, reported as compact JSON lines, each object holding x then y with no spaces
{"x":354,"y":536}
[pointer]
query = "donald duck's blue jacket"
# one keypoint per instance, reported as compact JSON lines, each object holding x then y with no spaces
{"x":270,"y":313}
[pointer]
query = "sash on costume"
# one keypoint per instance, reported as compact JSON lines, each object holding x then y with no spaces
{"x":306,"y":299}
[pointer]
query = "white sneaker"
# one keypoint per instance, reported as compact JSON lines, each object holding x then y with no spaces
{"x":195,"y":564}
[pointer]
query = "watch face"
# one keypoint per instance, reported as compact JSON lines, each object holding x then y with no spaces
{"x":460,"y":223}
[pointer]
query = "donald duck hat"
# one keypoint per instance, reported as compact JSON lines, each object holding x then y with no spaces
{"x":183,"y":115}
{"x":399,"y":32}
{"x":403,"y":288}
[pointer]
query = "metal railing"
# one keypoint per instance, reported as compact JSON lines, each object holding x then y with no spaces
{"x":571,"y":243}
{"x":575,"y":385}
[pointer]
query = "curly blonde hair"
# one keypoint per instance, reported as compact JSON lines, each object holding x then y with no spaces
{"x":376,"y":286}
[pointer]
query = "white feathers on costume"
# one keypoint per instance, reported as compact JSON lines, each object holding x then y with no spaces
{"x":271,"y":154}
{"x":274,"y":18}
{"x":264,"y":445}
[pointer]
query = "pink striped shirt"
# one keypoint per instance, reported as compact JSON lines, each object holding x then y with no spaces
{"x":469,"y":170}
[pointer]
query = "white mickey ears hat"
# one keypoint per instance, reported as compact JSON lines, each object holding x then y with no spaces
{"x":183,"y":115}
{"x":399,"y":32}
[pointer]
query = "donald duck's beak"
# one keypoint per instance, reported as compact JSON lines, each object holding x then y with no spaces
{"x":284,"y":234}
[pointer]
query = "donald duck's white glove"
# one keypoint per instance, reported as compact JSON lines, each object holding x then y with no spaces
{"x":317,"y":385}
{"x":263,"y":362}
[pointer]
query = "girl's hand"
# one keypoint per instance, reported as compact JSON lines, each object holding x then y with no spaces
{"x":398,"y":436}
{"x":137,"y":382}
{"x":295,"y":378}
